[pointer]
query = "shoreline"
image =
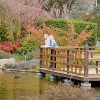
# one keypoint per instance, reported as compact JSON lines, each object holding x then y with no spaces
{"x":24,"y":66}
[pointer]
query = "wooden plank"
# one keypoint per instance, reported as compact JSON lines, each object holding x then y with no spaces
{"x":86,"y":61}
{"x":94,"y":66}
{"x":57,"y":60}
{"x":94,"y":51}
{"x":96,"y":75}
{"x":96,"y":59}
{"x":70,"y":47}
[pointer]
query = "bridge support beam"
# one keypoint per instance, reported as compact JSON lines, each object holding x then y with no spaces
{"x":41,"y":75}
{"x":86,"y":85}
{"x":68,"y":82}
{"x":53,"y":78}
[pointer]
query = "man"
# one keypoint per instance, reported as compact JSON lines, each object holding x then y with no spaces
{"x":47,"y":40}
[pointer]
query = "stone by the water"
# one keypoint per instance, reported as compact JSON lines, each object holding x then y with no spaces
{"x":26,"y":65}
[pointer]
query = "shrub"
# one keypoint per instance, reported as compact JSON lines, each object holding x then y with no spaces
{"x":9,"y":24}
{"x":28,"y":45}
{"x":64,"y":38}
{"x":57,"y":23}
{"x":79,"y":27}
{"x":30,"y":55}
{"x":3,"y":33}
{"x":9,"y":46}
{"x":64,"y":92}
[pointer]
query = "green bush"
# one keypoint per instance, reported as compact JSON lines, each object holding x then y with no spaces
{"x":3,"y":33}
{"x":29,"y":56}
{"x":79,"y":26}
{"x":57,"y":23}
{"x":28,"y":45}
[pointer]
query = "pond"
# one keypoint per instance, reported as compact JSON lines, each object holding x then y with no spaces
{"x":20,"y":85}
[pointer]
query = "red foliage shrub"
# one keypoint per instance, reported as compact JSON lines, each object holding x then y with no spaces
{"x":9,"y":46}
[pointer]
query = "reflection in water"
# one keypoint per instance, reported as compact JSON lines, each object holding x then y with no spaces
{"x":26,"y":86}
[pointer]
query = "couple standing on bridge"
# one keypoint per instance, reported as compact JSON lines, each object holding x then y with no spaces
{"x":50,"y":42}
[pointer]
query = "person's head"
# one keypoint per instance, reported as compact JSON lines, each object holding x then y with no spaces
{"x":51,"y":37}
{"x":45,"y":36}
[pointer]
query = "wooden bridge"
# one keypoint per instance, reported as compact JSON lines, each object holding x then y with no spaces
{"x":79,"y":63}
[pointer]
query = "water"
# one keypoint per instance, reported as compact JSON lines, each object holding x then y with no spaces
{"x":23,"y":87}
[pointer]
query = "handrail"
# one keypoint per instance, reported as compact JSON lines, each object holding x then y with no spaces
{"x":70,"y":59}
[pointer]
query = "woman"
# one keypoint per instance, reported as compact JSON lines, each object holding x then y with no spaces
{"x":53,"y":43}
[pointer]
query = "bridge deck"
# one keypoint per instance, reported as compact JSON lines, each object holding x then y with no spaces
{"x":92,"y":77}
{"x":79,"y":63}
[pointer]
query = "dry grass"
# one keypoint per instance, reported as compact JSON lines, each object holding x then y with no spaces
{"x":64,"y":92}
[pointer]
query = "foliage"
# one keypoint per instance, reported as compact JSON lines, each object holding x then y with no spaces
{"x":64,"y":38}
{"x":64,"y":92}
{"x":9,"y":23}
{"x":98,"y":1}
{"x":29,"y":44}
{"x":94,"y":16}
{"x":29,"y":56}
{"x":79,"y":27}
{"x":9,"y":46}
{"x":57,"y":23}
{"x":3,"y":33}
{"x":81,"y":38}
{"x":81,"y":8}
{"x":17,"y":15}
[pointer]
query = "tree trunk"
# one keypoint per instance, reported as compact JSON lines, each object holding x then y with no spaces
{"x":69,"y":6}
{"x":67,"y":14}
{"x":61,"y":10}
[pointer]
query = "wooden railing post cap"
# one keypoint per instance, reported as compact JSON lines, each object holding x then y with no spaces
{"x":86,"y":45}
{"x":41,"y":43}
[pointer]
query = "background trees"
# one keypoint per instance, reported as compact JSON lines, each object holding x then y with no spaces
{"x":9,"y":24}
{"x":59,"y":8}
{"x":22,"y":18}
{"x":94,"y":16}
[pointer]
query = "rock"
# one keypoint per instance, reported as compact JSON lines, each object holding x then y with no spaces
{"x":26,"y":65}
{"x":5,"y":61}
{"x":10,"y":66}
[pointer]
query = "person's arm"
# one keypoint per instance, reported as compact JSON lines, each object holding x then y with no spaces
{"x":47,"y":43}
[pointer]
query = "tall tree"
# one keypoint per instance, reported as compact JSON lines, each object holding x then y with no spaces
{"x":94,"y":16}
{"x":61,"y":7}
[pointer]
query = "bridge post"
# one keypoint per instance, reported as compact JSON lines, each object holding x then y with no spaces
{"x":41,"y":50}
{"x":86,"y":85}
{"x":86,"y":61}
{"x":53,"y":58}
{"x":68,"y":61}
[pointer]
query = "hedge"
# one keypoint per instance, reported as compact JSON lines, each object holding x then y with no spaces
{"x":79,"y":26}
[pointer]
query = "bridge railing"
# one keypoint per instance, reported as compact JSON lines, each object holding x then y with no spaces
{"x":92,"y":61}
{"x":69,"y":59}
